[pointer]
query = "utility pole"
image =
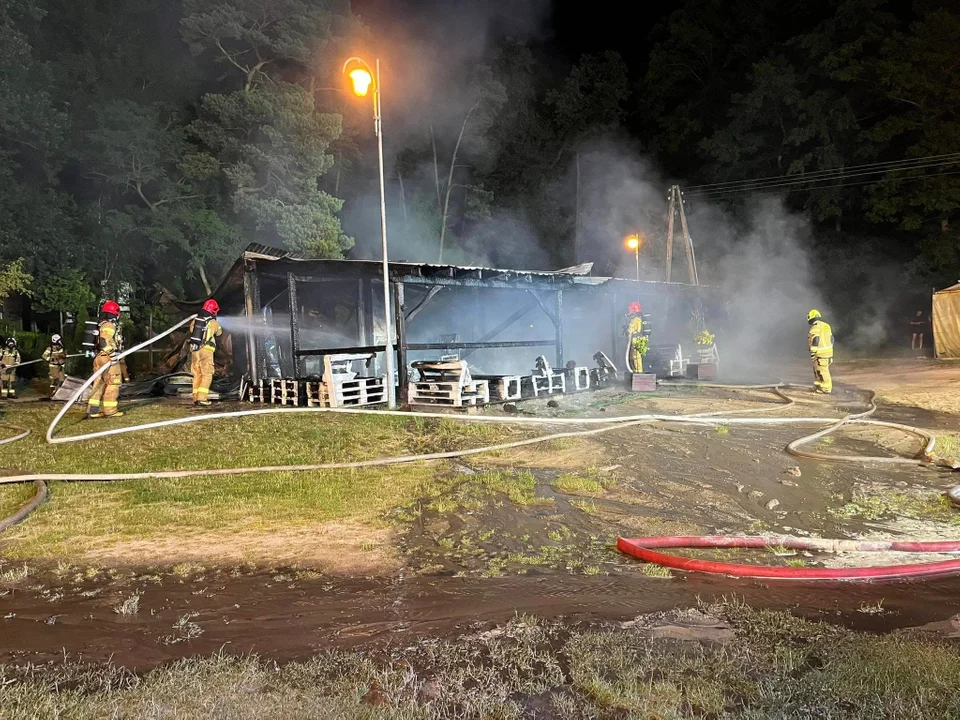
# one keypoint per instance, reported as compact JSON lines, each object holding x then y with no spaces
{"x":671,"y":213}
{"x":675,"y":207}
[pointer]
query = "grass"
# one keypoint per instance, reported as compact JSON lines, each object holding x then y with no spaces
{"x":13,"y":497}
{"x":654,"y":570}
{"x":777,"y":666}
{"x":84,"y":517}
{"x":948,"y":446}
{"x":889,"y":504}
{"x":577,"y":485}
{"x":130,"y":606}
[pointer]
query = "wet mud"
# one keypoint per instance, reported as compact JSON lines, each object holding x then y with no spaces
{"x":288,"y":619}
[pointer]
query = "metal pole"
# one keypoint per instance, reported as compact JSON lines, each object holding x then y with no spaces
{"x":388,"y":341}
{"x":638,"y":266}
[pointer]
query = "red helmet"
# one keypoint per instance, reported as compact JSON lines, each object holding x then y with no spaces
{"x":635,"y":308}
{"x":111,"y":308}
{"x":211,"y":306}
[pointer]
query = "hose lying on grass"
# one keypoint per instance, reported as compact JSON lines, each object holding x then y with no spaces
{"x":607,"y":424}
{"x":643,"y":549}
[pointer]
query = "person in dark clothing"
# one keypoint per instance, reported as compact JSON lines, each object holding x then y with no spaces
{"x":918,"y":324}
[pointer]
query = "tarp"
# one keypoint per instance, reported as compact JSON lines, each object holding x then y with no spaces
{"x":946,"y":322}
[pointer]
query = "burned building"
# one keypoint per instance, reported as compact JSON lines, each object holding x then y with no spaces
{"x":286,"y":312}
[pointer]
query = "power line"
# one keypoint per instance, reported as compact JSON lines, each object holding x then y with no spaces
{"x":908,"y":178}
{"x":787,"y":182}
{"x":833,"y":171}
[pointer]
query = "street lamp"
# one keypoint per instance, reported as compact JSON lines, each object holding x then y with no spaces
{"x":362,"y":78}
{"x":633,"y":243}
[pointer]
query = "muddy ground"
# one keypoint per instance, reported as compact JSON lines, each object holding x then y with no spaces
{"x":533,"y":532}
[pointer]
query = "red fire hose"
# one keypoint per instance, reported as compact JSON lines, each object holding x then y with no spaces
{"x":642,"y":549}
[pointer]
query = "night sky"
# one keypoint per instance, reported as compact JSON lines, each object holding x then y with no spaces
{"x":565,"y":29}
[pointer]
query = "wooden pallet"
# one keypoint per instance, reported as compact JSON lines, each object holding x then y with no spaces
{"x":449,"y":393}
{"x":538,"y":385}
{"x":579,"y":378}
{"x":503,"y":388}
{"x":359,"y":391}
{"x":606,"y":373}
{"x":285,"y":391}
{"x":258,"y":393}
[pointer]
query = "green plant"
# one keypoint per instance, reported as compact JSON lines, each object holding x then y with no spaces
{"x":641,"y":344}
{"x":704,"y":338}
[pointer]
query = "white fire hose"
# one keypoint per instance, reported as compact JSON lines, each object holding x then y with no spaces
{"x":608,"y":424}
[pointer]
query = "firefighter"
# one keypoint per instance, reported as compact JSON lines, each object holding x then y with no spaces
{"x":55,"y":356}
{"x":104,"y":396}
{"x":820,"y":341}
{"x":201,"y":351}
{"x":635,"y":335}
{"x":8,"y":373}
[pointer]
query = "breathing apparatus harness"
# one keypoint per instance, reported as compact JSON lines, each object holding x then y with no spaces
{"x":198,"y":337}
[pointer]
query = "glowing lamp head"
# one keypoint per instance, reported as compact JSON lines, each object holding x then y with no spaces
{"x":633,"y":242}
{"x":361,"y":80}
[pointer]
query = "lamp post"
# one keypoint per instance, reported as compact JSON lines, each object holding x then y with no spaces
{"x":633,"y":243}
{"x":363,"y":78}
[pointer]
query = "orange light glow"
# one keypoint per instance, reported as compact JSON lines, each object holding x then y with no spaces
{"x":361,"y":80}
{"x":633,"y":242}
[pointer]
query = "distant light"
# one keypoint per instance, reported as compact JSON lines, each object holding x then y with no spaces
{"x":633,"y":242}
{"x":361,"y":80}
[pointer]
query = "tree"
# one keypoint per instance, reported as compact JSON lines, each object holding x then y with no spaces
{"x":918,"y":73}
{"x":68,"y":291}
{"x":34,"y":213}
{"x":14,"y":279}
{"x":168,"y":193}
{"x":264,"y":133}
{"x":484,"y":97}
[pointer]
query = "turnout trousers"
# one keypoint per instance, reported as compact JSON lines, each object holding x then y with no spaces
{"x":105,"y":394}
{"x":201,"y":367}
{"x":822,"y":382}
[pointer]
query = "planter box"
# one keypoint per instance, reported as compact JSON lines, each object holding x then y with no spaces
{"x":702,"y":371}
{"x":643,"y":382}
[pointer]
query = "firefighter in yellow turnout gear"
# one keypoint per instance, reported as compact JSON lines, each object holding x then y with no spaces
{"x":820,"y":342}
{"x":202,"y":348}
{"x":56,"y":358}
{"x":105,"y":394}
{"x":637,"y":339}
{"x":8,"y":374}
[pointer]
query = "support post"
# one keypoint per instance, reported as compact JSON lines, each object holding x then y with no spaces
{"x":294,"y":324}
{"x":251,"y":301}
{"x":614,"y":328}
{"x":400,"y":309}
{"x":559,"y":326}
{"x":362,"y":323}
{"x":477,"y":306}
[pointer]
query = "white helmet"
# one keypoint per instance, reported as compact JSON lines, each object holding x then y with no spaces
{"x":56,"y":340}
